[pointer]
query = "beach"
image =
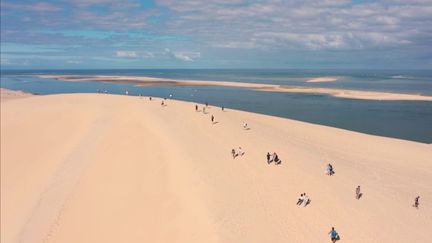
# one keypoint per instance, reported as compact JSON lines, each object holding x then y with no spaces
{"x":116,"y":168}
{"x":339,"y":93}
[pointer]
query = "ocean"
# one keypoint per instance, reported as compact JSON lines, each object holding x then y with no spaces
{"x":410,"y":120}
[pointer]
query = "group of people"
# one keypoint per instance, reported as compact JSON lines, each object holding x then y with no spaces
{"x":303,"y":199}
{"x":273,"y":158}
{"x":238,"y":152}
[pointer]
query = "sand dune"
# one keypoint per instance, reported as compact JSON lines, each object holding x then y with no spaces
{"x":340,"y":93}
{"x":107,"y":168}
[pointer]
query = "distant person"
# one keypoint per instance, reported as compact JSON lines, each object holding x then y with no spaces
{"x":334,"y":236}
{"x":416,"y":202}
{"x":331,"y":169}
{"x":150,"y":98}
{"x":300,"y":199}
{"x":163,"y":103}
{"x":170,"y":96}
{"x":196,"y":107}
{"x":245,"y":126}
{"x":240,"y":151}
{"x":358,"y":194}
{"x":212,"y":119}
{"x":269,"y":160}
{"x":223,"y":108}
{"x":127,"y":92}
{"x":233,"y":153}
{"x":306,"y":199}
{"x":206,"y":104}
{"x":276,"y":159}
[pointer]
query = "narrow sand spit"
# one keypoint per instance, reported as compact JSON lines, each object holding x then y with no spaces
{"x":7,"y":94}
{"x":340,"y":93}
{"x":109,"y":168}
{"x":322,"y":79}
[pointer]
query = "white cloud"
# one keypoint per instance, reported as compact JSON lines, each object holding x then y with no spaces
{"x":183,"y":56}
{"x":134,"y":54}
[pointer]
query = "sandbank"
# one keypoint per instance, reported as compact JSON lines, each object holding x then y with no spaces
{"x":322,"y":79}
{"x":7,"y":94}
{"x":151,"y":81}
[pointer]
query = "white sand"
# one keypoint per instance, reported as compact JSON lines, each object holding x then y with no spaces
{"x":341,"y":93}
{"x":105,"y":168}
{"x":322,"y":79}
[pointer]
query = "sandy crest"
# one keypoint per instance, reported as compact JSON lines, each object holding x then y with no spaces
{"x":107,"y":168}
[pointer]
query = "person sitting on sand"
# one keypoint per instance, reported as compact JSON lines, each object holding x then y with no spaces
{"x":300,"y":199}
{"x":240,"y":151}
{"x":416,"y":202}
{"x":334,"y":236}
{"x":234,"y":154}
{"x":358,"y":192}
{"x":245,"y":126}
{"x":276,"y":159}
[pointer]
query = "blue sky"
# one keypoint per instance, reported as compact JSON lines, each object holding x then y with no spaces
{"x":74,"y":34}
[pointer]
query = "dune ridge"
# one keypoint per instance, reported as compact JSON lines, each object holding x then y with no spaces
{"x":111,"y":168}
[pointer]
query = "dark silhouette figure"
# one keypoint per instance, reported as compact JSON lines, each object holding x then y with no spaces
{"x":269,"y":160}
{"x":223,"y":108}
{"x":358,"y":193}
{"x":150,"y":98}
{"x":196,"y":107}
{"x":416,"y":202}
{"x":212,"y":119}
{"x":233,"y":153}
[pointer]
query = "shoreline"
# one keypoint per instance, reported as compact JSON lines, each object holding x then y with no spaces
{"x":151,"y":81}
{"x":82,"y":165}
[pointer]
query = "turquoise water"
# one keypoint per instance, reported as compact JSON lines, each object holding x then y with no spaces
{"x":411,"y":120}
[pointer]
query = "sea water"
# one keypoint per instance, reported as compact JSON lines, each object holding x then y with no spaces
{"x":410,"y":120}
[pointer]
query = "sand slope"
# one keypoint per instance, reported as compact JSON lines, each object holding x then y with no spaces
{"x":106,"y":168}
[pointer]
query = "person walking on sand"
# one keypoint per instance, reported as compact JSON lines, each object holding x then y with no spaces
{"x":358,"y":192}
{"x":196,"y":107}
{"x":334,"y":236}
{"x":416,"y":202}
{"x":150,"y":98}
{"x":233,"y":152}
{"x":212,"y":119}
{"x":300,"y":199}
{"x":269,"y":160}
{"x":306,"y":199}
